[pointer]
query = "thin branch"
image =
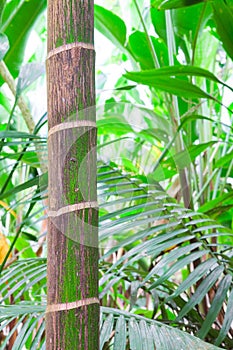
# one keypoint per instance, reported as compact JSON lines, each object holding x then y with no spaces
{"x":6,"y":75}
{"x":148,"y":38}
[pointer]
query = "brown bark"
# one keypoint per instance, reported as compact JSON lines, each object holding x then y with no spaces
{"x":72,"y":318}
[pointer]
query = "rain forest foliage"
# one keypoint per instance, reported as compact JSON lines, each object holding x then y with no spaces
{"x":165,"y":173}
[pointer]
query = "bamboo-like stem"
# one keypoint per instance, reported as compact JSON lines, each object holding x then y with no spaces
{"x":72,"y":316}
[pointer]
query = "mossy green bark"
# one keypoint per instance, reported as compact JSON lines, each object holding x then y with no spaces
{"x":72,"y":233}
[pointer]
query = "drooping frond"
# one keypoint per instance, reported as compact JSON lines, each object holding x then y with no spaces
{"x":146,"y":239}
{"x":145,"y":222}
{"x":118,"y":329}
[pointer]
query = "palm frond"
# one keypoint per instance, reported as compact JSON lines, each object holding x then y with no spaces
{"x":158,"y":238}
{"x":119,"y":329}
{"x":147,"y":223}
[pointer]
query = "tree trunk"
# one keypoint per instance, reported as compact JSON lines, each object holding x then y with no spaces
{"x":72,"y":315}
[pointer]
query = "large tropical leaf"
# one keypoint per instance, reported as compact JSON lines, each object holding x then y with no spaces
{"x":138,"y":45}
{"x":148,"y":227}
{"x":223,"y":16}
{"x":180,"y":70}
{"x":168,"y":84}
{"x":113,"y":28}
{"x":147,"y":223}
{"x":120,"y":329}
{"x":17,"y":23}
{"x":110,"y":25}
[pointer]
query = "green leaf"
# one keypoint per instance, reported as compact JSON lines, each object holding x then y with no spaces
{"x":175,"y":4}
{"x":28,"y":327}
{"x":169,"y":259}
{"x":134,"y":335}
{"x":28,"y":157}
{"x":162,"y":80}
{"x":159,"y":337}
{"x":141,"y":51}
{"x":133,"y":292}
{"x":194,"y":276}
{"x":29,"y":236}
{"x":6,"y":340}
{"x":148,"y":334}
{"x":24,"y":247}
{"x":178,"y":70}
{"x":106,"y":330}
{"x":146,"y":337}
{"x":216,"y":203}
{"x":22,"y":309}
{"x":194,"y":117}
{"x":127,"y":87}
{"x":225,"y":160}
{"x":3,"y":179}
{"x":159,"y":23}
{"x":2,"y":5}
{"x":186,"y":21}
{"x":183,"y":158}
{"x":227,"y":321}
{"x":201,"y":291}
{"x":28,"y":184}
{"x":120,"y":336}
{"x":144,"y":333}
{"x":36,"y":340}
{"x":4,"y":45}
{"x":178,"y":265}
{"x":17,"y":23}
{"x":216,"y":306}
{"x":110,"y":25}
{"x":113,"y":123}
{"x":22,"y":273}
{"x":223,"y":17}
{"x":17,"y":135}
{"x":27,"y":75}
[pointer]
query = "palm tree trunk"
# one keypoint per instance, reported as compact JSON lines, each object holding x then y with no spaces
{"x":72,"y":315}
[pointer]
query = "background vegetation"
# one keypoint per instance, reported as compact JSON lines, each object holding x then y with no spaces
{"x":164,"y":108}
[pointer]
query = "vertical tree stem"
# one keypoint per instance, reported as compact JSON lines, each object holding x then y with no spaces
{"x":72,"y":316}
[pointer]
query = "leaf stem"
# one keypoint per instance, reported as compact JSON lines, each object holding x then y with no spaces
{"x":6,"y":75}
{"x":150,"y":44}
{"x":175,"y":115}
{"x":17,"y":234}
